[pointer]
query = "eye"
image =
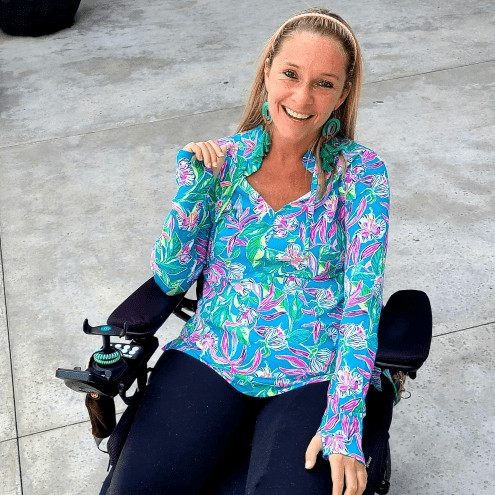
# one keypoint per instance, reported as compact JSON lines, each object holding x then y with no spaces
{"x":290,"y":73}
{"x":325,"y":84}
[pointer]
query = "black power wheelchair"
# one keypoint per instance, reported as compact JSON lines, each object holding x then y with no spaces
{"x":404,"y":339}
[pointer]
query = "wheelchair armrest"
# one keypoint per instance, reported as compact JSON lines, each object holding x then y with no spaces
{"x":145,"y":310}
{"x":405,"y":331}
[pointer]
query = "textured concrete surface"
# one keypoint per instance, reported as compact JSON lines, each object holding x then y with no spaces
{"x":10,"y":479}
{"x":75,"y":466}
{"x":91,"y":119}
{"x":7,"y":413}
{"x":442,"y":436}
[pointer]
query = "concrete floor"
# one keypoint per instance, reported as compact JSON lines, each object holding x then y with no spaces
{"x":91,"y":119}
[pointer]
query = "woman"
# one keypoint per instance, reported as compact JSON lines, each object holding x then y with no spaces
{"x":288,"y":222}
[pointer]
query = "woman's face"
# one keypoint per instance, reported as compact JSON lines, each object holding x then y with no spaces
{"x":305,"y":84}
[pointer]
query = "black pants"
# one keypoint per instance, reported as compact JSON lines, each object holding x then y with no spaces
{"x":195,"y":434}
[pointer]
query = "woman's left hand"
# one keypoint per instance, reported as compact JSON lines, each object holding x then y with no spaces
{"x":343,"y":468}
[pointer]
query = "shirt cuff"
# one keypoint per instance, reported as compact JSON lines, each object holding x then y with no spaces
{"x":344,"y":438}
{"x":189,"y":156}
{"x":184,"y":154}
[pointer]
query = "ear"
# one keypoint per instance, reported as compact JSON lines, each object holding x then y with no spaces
{"x":344,"y":95}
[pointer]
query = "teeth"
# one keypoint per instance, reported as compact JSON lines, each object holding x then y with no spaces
{"x":296,"y":115}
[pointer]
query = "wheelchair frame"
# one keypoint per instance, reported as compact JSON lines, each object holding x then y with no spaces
{"x":404,"y":338}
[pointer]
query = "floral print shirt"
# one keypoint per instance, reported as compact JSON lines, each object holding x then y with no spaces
{"x":293,"y":296}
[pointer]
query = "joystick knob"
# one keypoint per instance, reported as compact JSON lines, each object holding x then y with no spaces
{"x":104,"y":358}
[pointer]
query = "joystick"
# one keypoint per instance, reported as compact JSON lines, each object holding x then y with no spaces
{"x":113,"y":367}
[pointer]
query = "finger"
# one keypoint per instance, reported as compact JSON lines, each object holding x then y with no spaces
{"x":312,"y":451}
{"x":337,"y":472}
{"x":221,"y":157}
{"x":220,"y":151}
{"x":362,"y":479}
{"x":350,"y":478}
{"x":216,"y":148}
{"x":212,"y":153}
{"x":194,"y":148}
{"x":207,"y":154}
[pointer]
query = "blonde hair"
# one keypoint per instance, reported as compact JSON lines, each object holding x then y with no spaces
{"x":321,"y":22}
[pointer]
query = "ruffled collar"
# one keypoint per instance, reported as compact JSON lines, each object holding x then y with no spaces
{"x":329,"y":152}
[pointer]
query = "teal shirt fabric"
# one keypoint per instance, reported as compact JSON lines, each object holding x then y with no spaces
{"x":293,"y":296}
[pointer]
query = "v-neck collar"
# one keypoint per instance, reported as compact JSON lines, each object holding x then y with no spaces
{"x":249,"y":189}
{"x":249,"y":155}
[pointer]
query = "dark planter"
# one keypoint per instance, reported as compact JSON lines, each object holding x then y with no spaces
{"x":36,"y":17}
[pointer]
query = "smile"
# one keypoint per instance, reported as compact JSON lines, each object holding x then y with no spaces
{"x":295,"y":115}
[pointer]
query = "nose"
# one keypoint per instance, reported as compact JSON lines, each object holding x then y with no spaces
{"x":303,"y":95}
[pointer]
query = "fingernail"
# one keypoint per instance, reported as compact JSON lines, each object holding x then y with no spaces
{"x":308,"y":464}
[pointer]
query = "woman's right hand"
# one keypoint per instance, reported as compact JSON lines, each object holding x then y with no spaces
{"x":209,"y":153}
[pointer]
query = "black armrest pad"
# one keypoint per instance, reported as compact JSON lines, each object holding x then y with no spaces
{"x":144,"y":310}
{"x":405,"y":330}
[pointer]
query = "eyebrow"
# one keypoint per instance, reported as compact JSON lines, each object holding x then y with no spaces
{"x":328,"y":74}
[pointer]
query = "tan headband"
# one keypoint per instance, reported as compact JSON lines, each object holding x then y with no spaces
{"x":324,"y":16}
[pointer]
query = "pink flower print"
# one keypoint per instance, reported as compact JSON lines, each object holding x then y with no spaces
{"x":317,"y":328}
{"x":188,"y":221}
{"x":281,"y":381}
{"x":202,"y":337}
{"x":247,"y":315}
{"x":260,"y":206}
{"x":243,"y":287}
{"x":379,"y":184}
{"x":283,"y":225}
{"x":353,"y":173}
{"x":168,"y":228}
{"x":254,"y":366}
{"x":335,"y":443}
{"x":236,"y":271}
{"x":320,"y":361}
{"x":294,"y":256}
{"x":207,"y":341}
{"x":184,"y":174}
{"x":216,"y":273}
{"x":219,"y":205}
{"x":371,"y":227}
{"x":348,"y":382}
{"x":275,"y":338}
{"x":333,"y":419}
{"x":184,"y":255}
{"x":264,"y":372}
{"x":249,"y":146}
{"x":294,"y":284}
{"x":350,"y":428}
{"x":330,"y":206}
{"x":325,"y":298}
{"x":354,"y":336}
{"x":333,"y":333}
{"x":367,"y":156}
{"x":232,"y":150}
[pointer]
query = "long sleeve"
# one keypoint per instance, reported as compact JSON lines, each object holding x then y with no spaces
{"x":180,"y":252}
{"x":365,"y":223}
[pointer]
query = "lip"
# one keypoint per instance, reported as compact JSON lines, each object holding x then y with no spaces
{"x":295,"y":119}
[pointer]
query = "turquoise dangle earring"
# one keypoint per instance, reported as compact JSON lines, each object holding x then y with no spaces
{"x":331,"y":127}
{"x":265,"y":112}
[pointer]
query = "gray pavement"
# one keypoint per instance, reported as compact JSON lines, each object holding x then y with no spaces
{"x":91,"y":119}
